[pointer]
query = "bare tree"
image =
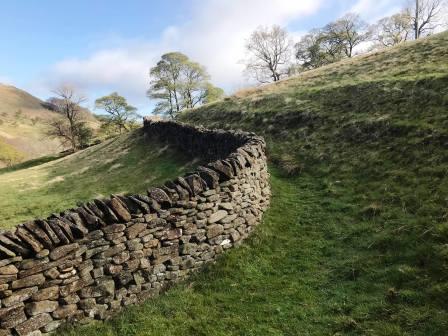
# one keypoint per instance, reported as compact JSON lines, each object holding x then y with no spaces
{"x":393,"y":30}
{"x":425,"y":15}
{"x":70,"y":127}
{"x":347,"y":32}
{"x":270,"y":54}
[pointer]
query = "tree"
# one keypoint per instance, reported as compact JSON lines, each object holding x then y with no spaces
{"x":120,"y":112}
{"x":347,"y":33}
{"x":315,"y":50}
{"x":193,"y":85}
{"x":177,"y":83}
{"x":270,"y":54}
{"x":212,"y":93}
{"x":425,"y":15}
{"x":70,"y":128}
{"x":393,"y":30}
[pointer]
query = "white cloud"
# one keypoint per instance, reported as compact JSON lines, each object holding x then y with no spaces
{"x":373,"y":10}
{"x":214,"y":37}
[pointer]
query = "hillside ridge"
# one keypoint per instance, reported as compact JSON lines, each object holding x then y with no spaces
{"x":23,"y":119}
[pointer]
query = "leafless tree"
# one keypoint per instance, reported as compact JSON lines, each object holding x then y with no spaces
{"x":425,"y":15}
{"x":347,"y":32}
{"x":70,"y":128}
{"x":393,"y":29}
{"x":270,"y":54}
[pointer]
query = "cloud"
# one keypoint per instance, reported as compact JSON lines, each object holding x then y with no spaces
{"x":373,"y":10}
{"x":214,"y":36}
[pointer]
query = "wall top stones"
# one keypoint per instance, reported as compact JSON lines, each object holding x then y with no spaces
{"x":88,"y":261}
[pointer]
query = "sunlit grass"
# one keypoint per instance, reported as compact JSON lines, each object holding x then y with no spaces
{"x":129,"y":163}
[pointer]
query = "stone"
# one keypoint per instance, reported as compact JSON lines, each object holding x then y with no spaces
{"x":160,"y":196}
{"x":42,"y":254}
{"x":114,"y":228}
{"x":70,"y":299}
{"x":122,"y":213}
{"x":19,"y":296}
{"x":114,"y":269}
{"x":121,"y":257}
{"x":49,"y":293}
{"x":32,"y":280}
{"x":52,"y":273}
{"x":30,"y":263}
{"x":134,"y":230}
{"x":8,"y":244}
{"x":4,"y":262}
{"x":105,"y":287}
{"x":210,"y":176}
{"x":224,"y":170}
{"x":217,"y":216}
{"x":29,"y":239}
{"x":228,"y":219}
{"x":39,"y":307}
{"x":62,"y":251}
{"x":63,"y":312}
{"x":57,"y":229}
{"x":33,"y":323}
{"x":109,"y":215}
{"x":226,"y":206}
{"x":7,"y":278}
{"x":214,"y":230}
{"x":72,"y":287}
{"x":12,"y":316}
{"x":110,"y":252}
{"x":52,"y":326}
{"x":195,"y":183}
{"x":96,"y":250}
{"x":39,"y":233}
{"x":174,"y":234}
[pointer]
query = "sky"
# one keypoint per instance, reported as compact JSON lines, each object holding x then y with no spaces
{"x":103,"y":46}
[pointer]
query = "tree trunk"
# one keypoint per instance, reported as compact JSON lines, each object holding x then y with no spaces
{"x":416,"y":29}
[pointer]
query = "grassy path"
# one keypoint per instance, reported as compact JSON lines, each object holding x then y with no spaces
{"x":301,"y":273}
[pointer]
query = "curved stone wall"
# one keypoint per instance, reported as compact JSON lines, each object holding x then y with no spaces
{"x":88,"y":262}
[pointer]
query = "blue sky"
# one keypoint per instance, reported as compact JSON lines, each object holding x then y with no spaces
{"x":102,"y":46}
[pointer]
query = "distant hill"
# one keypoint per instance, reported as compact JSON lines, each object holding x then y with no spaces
{"x":22,"y":126}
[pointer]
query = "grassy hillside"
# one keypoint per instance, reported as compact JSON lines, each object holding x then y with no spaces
{"x":129,"y":163}
{"x":355,"y":241}
{"x":23,"y":126}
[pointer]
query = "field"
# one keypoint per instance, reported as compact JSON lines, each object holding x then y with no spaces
{"x":355,"y":241}
{"x":129,"y":163}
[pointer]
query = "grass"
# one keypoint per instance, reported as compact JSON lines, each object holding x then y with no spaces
{"x":129,"y":163}
{"x":355,"y":241}
{"x":309,"y":269}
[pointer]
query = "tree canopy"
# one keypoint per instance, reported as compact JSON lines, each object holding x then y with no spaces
{"x":119,"y":111}
{"x":179,"y":83}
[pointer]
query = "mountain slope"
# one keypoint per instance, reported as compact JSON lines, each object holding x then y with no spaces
{"x":22,"y":126}
{"x":355,"y":241}
{"x":367,"y":138}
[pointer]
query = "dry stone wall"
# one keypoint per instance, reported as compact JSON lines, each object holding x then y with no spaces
{"x":89,"y":261}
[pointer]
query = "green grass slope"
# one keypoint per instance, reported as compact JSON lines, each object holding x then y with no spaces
{"x":129,"y":163}
{"x":356,"y":239}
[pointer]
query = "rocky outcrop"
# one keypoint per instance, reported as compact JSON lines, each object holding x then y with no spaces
{"x":89,"y":261}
